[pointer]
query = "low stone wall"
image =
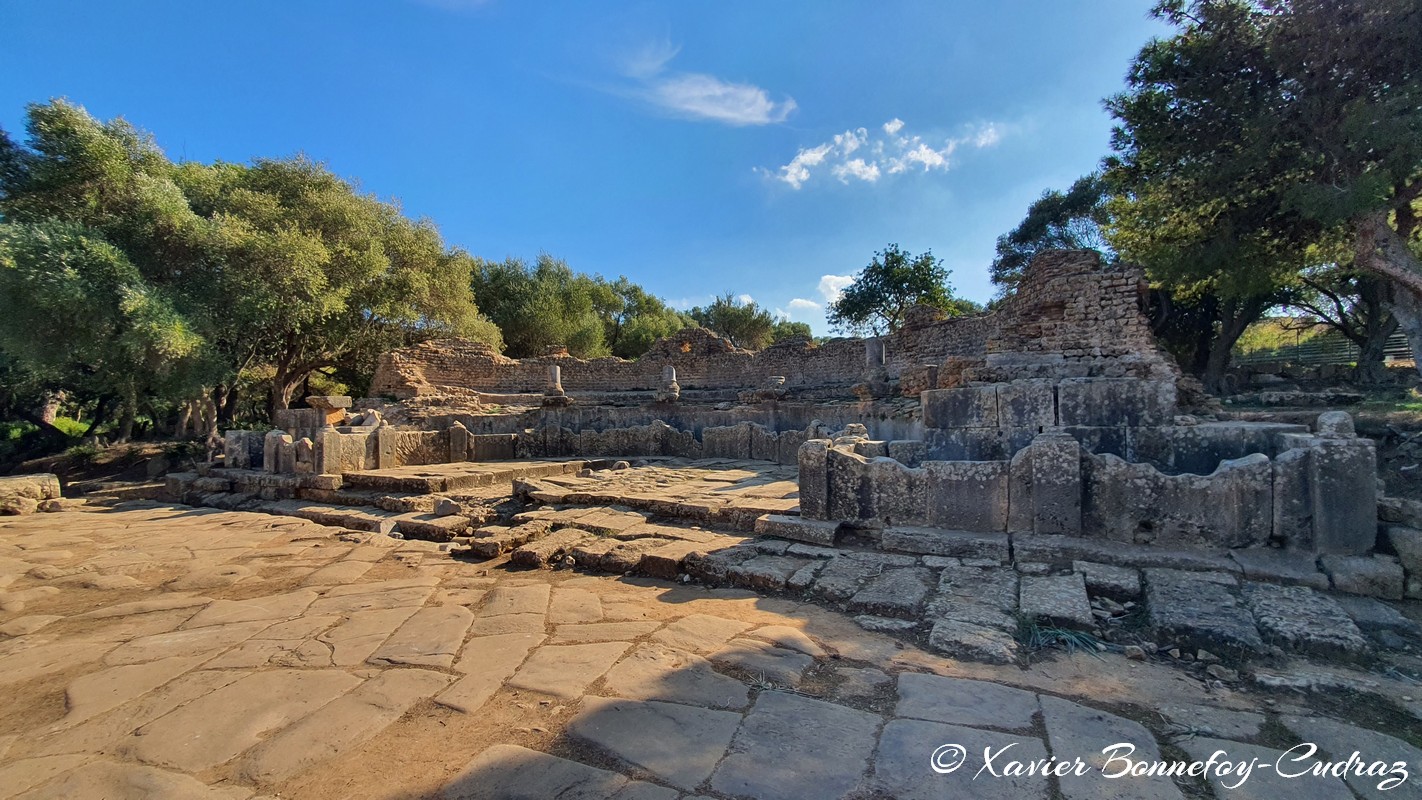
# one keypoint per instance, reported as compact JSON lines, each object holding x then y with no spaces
{"x":1317,"y":495}
{"x":1072,"y":316}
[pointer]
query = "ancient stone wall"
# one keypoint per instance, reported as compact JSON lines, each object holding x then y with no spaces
{"x":1073,"y":316}
{"x":1317,"y":495}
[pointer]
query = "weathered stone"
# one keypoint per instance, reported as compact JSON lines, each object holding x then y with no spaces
{"x":908,"y":748}
{"x":1056,"y":484}
{"x":766,"y":572}
{"x":486,"y":662}
{"x":123,"y":781}
{"x":763,"y":661}
{"x":782,"y":752}
{"x":966,"y":495}
{"x":1265,"y":784}
{"x":531,"y":599}
{"x":972,"y":642}
{"x":1106,"y":580}
{"x":963,"y":702}
{"x":1373,"y":616}
{"x":1280,"y":566}
{"x":788,"y":638}
{"x":843,"y":576}
{"x":1077,"y":732}
{"x":814,"y":477}
{"x":510,"y":772}
{"x":894,"y":592}
{"x":1373,"y":576}
{"x":870,"y":622}
{"x":944,"y":542}
{"x":1340,"y":740}
{"x":655,"y":672}
{"x":603,"y":632}
{"x":431,"y":638}
{"x":93,"y":694}
{"x":679,"y":744}
{"x":1058,"y":599}
{"x":355,"y":639}
{"x":236,"y":717}
{"x":699,"y":633}
{"x":341,"y":725}
{"x":1302,"y":619}
{"x":1196,"y":609}
{"x":1215,"y":722}
{"x":964,"y":407}
{"x":1343,"y":474}
{"x":801,"y":529}
{"x":566,"y":670}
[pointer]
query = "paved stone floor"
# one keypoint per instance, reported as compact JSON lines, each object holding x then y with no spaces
{"x":174,"y":652}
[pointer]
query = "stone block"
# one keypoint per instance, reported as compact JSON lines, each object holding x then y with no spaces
{"x":849,"y":495}
{"x":1293,"y":500}
{"x":1058,"y":599}
{"x":814,"y":478}
{"x":1197,"y":608}
{"x":1019,"y":492}
{"x":1115,"y":402}
{"x":814,"y":531}
{"x":1407,"y":544}
{"x":1108,"y":580}
{"x":909,"y":452}
{"x":964,"y":407}
{"x":1343,"y":474}
{"x":897,"y":493}
{"x":945,"y":542}
{"x":1280,"y":566}
{"x":967,"y":495}
{"x":1026,"y":404}
{"x":1056,"y":485}
{"x":1373,"y":576}
{"x":458,"y":443}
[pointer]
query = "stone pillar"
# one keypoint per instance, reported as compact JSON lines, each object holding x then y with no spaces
{"x":234,"y":450}
{"x":814,"y":479}
{"x":458,"y":442}
{"x":875,"y":355}
{"x":305,"y":451}
{"x":271,"y":450}
{"x":385,"y":437}
{"x":1056,"y":484}
{"x":286,"y":455}
{"x":1343,"y":484}
{"x":333,"y":408}
{"x":671,"y":390}
{"x":555,"y":382}
{"x":328,"y":451}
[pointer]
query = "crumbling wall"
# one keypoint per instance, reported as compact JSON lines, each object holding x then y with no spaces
{"x":1072,"y":316}
{"x":1317,"y":494}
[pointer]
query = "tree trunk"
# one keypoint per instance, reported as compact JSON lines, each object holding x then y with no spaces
{"x":1235,"y":317}
{"x":1384,"y":252}
{"x":49,"y":411}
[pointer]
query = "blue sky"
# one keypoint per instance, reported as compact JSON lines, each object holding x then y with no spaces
{"x":768,"y":149}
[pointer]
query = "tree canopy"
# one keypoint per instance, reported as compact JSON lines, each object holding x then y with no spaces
{"x":746,"y":324}
{"x":1264,"y":134}
{"x":1070,"y":220}
{"x":893,"y":282}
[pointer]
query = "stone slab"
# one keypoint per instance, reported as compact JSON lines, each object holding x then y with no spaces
{"x":431,"y":637}
{"x":566,"y":670}
{"x":677,"y":743}
{"x":957,"y":701}
{"x":791,"y":747}
{"x":909,"y":747}
{"x":1077,"y":731}
{"x":656,"y":672}
{"x":1057,"y":599}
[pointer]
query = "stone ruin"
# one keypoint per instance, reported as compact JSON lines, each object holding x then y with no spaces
{"x":1052,"y":425}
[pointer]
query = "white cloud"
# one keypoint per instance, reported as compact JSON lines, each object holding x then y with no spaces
{"x":745,"y":299}
{"x":696,"y":95}
{"x":856,"y":155}
{"x":801,"y":304}
{"x":832,"y":286}
{"x":856,"y":168}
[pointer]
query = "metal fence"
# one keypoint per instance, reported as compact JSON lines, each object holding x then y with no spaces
{"x":1326,"y":348}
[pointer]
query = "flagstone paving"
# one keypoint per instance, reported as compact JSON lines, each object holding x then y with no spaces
{"x":243,"y":656}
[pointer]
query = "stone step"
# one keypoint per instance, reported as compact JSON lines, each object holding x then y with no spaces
{"x":411,"y":525}
{"x":453,"y":477}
